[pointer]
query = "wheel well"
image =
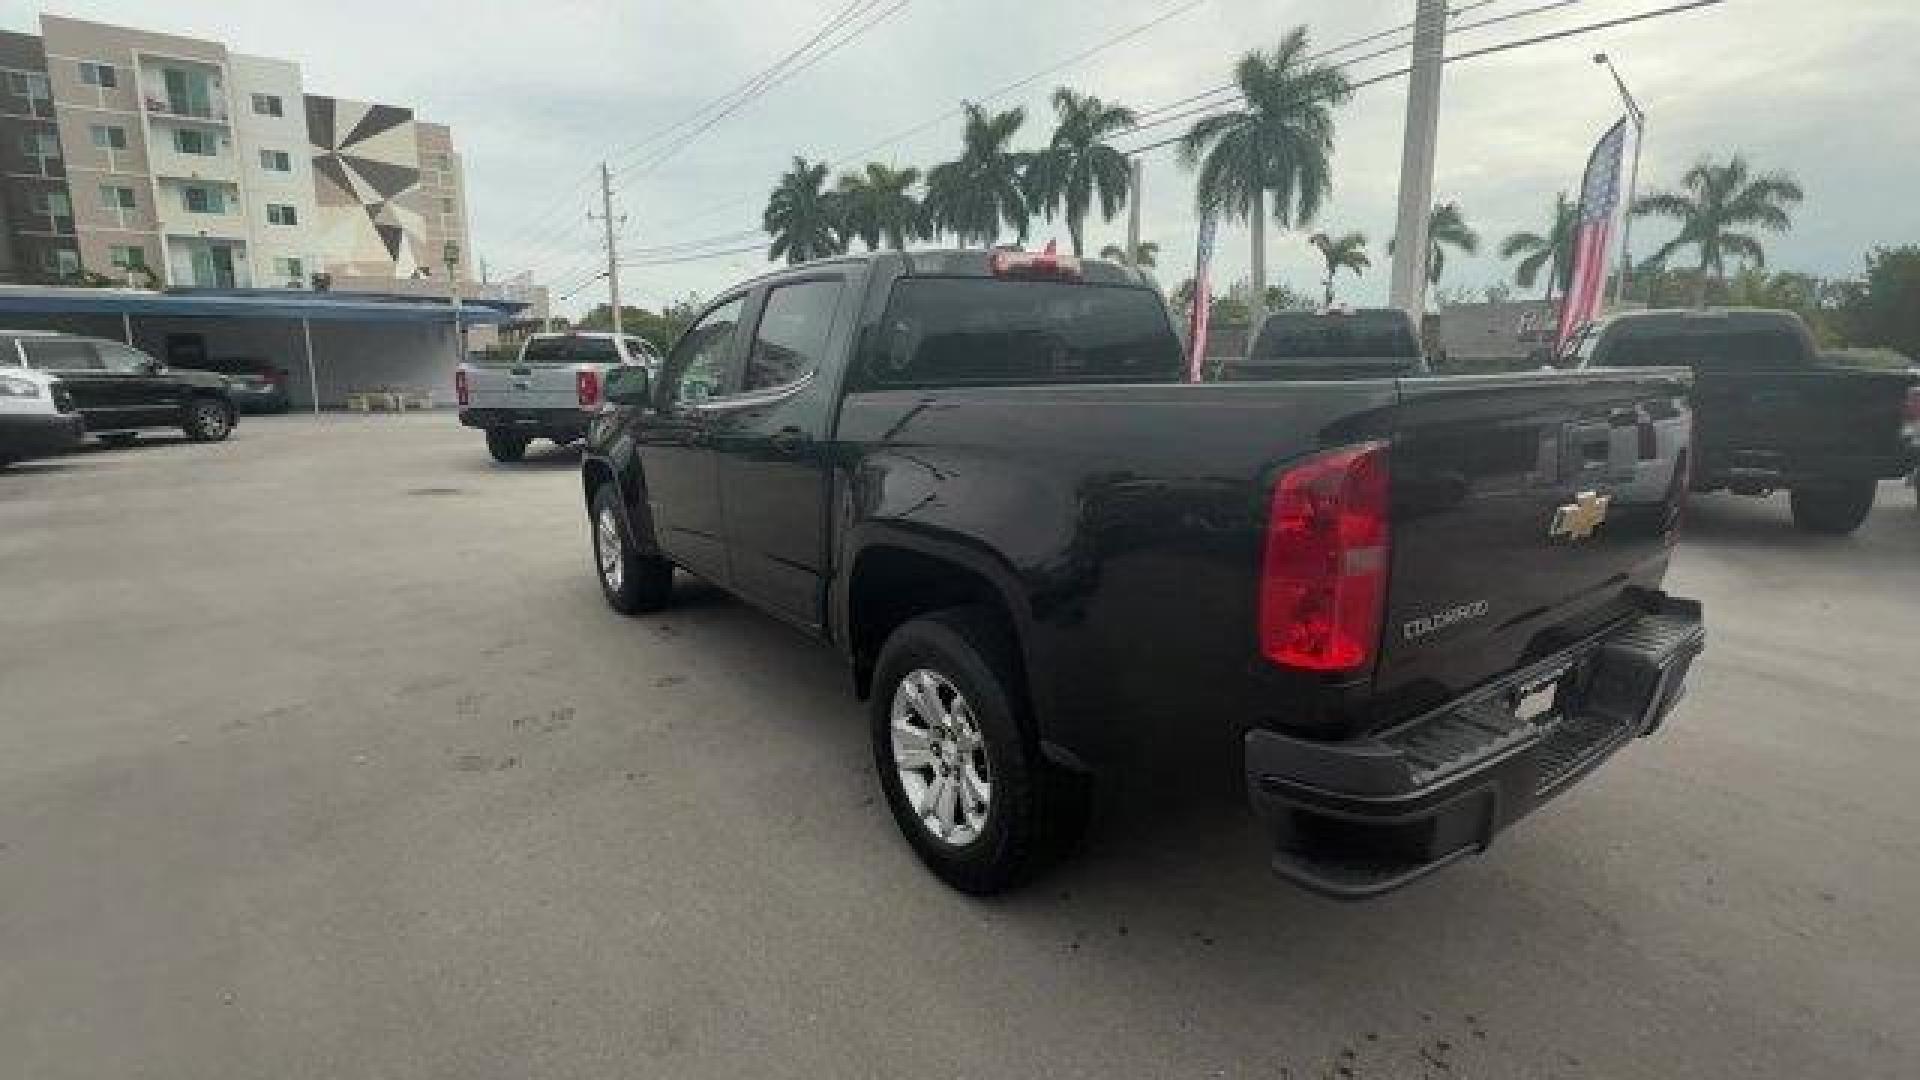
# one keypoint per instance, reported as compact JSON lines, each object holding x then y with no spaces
{"x":891,"y":585}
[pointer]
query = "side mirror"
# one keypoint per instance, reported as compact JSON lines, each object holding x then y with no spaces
{"x":630,"y":386}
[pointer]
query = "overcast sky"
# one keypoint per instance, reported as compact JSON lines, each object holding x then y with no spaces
{"x":538,"y":93}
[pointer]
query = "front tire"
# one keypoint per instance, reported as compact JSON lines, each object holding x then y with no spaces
{"x":966,"y":782}
{"x":208,"y":420}
{"x":633,"y":581}
{"x":506,"y":446}
{"x":1836,"y":508}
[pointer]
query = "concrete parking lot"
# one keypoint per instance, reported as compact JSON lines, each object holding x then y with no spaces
{"x":322,"y":757}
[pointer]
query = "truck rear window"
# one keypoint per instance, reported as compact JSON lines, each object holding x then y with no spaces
{"x":1359,"y":336}
{"x":990,"y":332}
{"x":1708,"y":351}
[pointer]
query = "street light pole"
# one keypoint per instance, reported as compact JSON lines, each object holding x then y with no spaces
{"x":451,"y":255}
{"x":1639,"y":118}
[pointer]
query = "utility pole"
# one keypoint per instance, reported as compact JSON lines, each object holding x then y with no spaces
{"x":1416,"y":159}
{"x":613,"y":254}
{"x":1133,"y":212}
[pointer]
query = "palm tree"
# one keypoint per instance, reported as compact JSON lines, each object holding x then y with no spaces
{"x":975,"y":194}
{"x":1447,"y":227}
{"x":1079,"y":165}
{"x":803,"y":217}
{"x":1282,"y":142}
{"x":1348,"y":252}
{"x":1535,"y":249}
{"x":1716,"y":201}
{"x":877,"y":205}
{"x":1145,"y":254}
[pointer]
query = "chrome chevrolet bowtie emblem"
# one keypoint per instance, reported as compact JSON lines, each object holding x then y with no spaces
{"x":1578,"y":519}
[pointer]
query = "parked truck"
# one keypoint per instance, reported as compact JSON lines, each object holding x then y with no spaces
{"x":548,"y":391}
{"x":1769,"y":413}
{"x":1415,"y":609}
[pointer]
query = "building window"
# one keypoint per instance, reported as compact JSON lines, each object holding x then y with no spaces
{"x":276,"y":161}
{"x":31,"y":85}
{"x":281,"y":214}
{"x":203,"y":200}
{"x":128,"y":256}
{"x":52,"y":203}
{"x":446,"y":206}
{"x":194,"y":141}
{"x":101,"y":75}
{"x":60,"y":262}
{"x":290,"y":269}
{"x":41,"y":147}
{"x":114,"y":197}
{"x":108,"y":136}
{"x":267,"y":105}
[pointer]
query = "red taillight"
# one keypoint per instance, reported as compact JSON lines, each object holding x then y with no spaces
{"x":1913,"y":405}
{"x":586,"y":384}
{"x":278,"y":377}
{"x":1324,"y":579}
{"x":460,"y":386}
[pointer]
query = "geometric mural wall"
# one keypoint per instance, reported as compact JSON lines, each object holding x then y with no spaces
{"x":366,"y":176}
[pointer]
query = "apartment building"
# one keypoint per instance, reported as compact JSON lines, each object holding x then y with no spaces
{"x":168,"y":160}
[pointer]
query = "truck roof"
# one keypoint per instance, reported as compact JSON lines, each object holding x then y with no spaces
{"x":959,"y":262}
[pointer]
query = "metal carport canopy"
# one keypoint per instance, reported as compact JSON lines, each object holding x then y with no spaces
{"x":288,"y":304}
{"x":265,"y":304}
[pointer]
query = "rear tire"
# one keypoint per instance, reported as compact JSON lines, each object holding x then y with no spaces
{"x":506,"y":446}
{"x":633,"y":581}
{"x":963,"y":775}
{"x":1835,"y":508}
{"x":208,"y":420}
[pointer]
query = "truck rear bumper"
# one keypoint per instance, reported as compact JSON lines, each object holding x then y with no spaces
{"x":564,"y":425}
{"x":1358,"y":819}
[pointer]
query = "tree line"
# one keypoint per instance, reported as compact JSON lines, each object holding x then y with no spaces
{"x":1269,"y":158}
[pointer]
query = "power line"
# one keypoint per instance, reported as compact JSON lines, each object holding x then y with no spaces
{"x":583,"y":186}
{"x":774,"y":76}
{"x":1504,"y":46}
{"x":991,"y":95}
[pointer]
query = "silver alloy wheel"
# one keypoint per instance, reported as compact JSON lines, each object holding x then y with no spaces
{"x":607,"y":547}
{"x":213,"y":419}
{"x":940,"y":754}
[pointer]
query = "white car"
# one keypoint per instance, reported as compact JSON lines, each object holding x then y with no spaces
{"x":550,"y":391}
{"x":37,"y":417}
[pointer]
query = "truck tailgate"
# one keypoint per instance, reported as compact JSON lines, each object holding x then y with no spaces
{"x":1797,"y":419}
{"x":534,"y":386}
{"x":1526,"y":510}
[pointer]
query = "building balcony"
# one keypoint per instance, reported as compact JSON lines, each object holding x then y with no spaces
{"x":212,"y":113}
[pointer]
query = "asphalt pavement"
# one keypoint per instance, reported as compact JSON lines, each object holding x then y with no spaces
{"x":320,"y":756}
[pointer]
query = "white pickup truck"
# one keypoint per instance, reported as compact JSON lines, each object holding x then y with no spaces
{"x":549,"y":392}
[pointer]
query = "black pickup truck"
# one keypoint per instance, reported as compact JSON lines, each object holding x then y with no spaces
{"x":1413,"y":609}
{"x":1769,"y":414}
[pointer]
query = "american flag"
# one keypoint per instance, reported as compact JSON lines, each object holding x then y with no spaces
{"x":1202,"y":301}
{"x":1593,"y":231}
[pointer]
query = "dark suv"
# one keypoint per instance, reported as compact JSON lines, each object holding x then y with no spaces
{"x":121,"y":391}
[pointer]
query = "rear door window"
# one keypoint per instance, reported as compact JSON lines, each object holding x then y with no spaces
{"x":792,"y":337}
{"x":61,"y":354}
{"x":993,"y":332}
